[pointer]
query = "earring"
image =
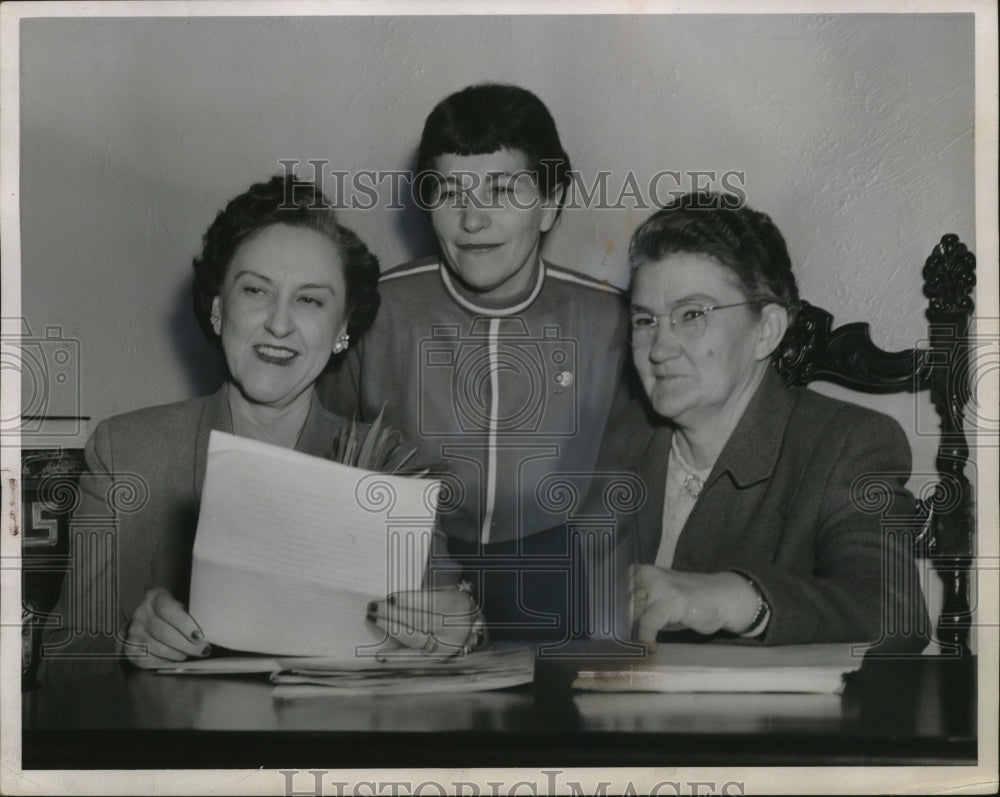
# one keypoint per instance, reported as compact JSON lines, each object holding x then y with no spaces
{"x":341,"y":343}
{"x":216,"y":323}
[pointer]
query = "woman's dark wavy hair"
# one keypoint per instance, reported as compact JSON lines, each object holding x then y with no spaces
{"x":488,"y":117}
{"x":718,"y":225}
{"x":295,"y":203}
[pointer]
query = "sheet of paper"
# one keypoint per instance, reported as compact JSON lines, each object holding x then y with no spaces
{"x":290,"y":549}
{"x":224,"y":665}
{"x":500,"y":657}
{"x":457,"y":683}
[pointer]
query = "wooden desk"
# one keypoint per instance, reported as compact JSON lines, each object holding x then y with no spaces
{"x":914,"y":711}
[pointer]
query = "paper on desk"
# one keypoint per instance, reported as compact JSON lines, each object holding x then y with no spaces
{"x":290,"y":549}
{"x":224,"y":665}
{"x":678,"y":667}
{"x":479,"y":671}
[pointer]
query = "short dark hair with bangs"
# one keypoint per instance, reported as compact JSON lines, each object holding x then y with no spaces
{"x":488,"y":117}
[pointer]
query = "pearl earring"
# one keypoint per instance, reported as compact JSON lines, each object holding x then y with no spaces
{"x":341,"y":343}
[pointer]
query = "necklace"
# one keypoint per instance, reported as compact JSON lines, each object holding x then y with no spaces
{"x":693,"y":484}
{"x":694,"y":481}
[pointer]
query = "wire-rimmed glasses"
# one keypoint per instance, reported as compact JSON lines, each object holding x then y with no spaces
{"x":689,"y":320}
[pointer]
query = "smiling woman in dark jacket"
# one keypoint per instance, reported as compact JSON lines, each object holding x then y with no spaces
{"x":280,"y":287}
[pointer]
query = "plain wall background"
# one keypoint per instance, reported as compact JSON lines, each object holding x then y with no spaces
{"x":854,"y":132}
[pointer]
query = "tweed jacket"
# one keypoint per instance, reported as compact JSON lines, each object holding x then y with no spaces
{"x":134,"y":526}
{"x":807,"y":498}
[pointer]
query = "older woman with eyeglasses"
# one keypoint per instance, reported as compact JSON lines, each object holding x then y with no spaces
{"x":750,"y":528}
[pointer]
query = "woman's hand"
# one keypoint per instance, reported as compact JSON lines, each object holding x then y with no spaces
{"x":704,"y":602}
{"x":161,"y":632}
{"x":435,"y":622}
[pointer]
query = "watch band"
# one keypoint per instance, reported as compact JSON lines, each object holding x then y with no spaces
{"x":763,"y":613}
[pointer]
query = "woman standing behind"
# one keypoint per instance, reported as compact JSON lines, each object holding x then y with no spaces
{"x":280,"y":287}
{"x":750,"y":527}
{"x":509,"y":369}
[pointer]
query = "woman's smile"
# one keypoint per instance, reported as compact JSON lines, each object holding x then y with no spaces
{"x":477,"y":249}
{"x":275,"y":355}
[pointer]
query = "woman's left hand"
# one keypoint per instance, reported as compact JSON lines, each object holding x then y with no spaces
{"x":670,"y":600}
{"x":434,"y":622}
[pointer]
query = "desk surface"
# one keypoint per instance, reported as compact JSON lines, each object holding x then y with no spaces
{"x":909,"y":711}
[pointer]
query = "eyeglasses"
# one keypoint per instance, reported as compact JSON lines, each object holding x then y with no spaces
{"x":689,"y":320}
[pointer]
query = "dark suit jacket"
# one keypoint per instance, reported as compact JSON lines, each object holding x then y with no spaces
{"x":137,"y":512}
{"x":808,"y":499}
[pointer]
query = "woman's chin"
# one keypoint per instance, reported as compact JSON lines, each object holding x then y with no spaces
{"x":669,"y":406}
{"x":266,"y":395}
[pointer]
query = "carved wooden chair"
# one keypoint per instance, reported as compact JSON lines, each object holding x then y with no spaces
{"x":846,"y":356}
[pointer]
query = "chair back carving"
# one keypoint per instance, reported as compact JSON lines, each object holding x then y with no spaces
{"x":846,"y":355}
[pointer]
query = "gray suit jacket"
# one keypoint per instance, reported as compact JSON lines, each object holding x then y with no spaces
{"x":134,"y":525}
{"x":808,"y":499}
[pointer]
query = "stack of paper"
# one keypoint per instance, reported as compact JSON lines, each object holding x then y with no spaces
{"x":221,"y":665}
{"x":726,"y":668}
{"x":487,"y":669}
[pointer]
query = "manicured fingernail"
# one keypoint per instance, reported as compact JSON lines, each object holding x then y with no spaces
{"x":206,"y":650}
{"x":196,"y":634}
{"x":373,"y":607}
